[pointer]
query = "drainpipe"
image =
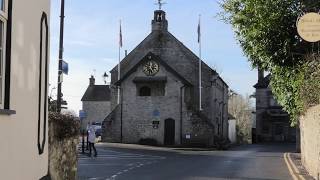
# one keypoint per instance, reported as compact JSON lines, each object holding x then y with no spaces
{"x":222,"y":115}
{"x":214,"y":114}
{"x":181,"y":101}
{"x":121,"y":112}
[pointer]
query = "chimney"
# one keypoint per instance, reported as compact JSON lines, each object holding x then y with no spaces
{"x":260,"y":74}
{"x":126,"y":53}
{"x":159,"y":23}
{"x":92,"y":80}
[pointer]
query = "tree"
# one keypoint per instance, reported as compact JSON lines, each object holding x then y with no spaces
{"x":241,"y":109}
{"x":267,"y":33}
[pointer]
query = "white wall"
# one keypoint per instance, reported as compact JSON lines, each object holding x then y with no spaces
{"x":19,"y":156}
{"x":310,"y":141}
{"x":232,"y":131}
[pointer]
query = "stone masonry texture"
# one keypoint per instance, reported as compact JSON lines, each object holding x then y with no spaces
{"x":135,"y":114}
{"x":96,"y":111}
{"x":310,"y":141}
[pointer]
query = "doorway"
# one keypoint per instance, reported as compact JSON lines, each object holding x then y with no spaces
{"x":278,"y":132}
{"x":169,"y":132}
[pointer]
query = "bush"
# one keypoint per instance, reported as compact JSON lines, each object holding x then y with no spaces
{"x":310,"y":90}
{"x":64,"y":125}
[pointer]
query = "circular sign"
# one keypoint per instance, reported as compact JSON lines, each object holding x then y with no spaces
{"x":309,"y":27}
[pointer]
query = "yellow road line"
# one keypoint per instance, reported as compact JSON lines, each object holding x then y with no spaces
{"x":292,"y":168}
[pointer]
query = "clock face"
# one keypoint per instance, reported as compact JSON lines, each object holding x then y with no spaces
{"x":151,"y":68}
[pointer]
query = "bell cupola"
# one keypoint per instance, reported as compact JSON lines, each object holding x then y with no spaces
{"x":159,"y":22}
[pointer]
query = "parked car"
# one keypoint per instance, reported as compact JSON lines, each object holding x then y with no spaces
{"x":96,"y":125}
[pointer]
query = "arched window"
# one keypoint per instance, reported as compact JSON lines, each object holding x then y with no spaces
{"x":145,"y":91}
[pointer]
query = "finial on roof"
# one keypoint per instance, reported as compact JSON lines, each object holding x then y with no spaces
{"x":160,"y":4}
{"x":92,"y":80}
{"x":104,"y":76}
{"x":159,"y":23}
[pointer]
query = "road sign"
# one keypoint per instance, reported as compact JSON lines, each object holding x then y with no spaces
{"x":308,"y":27}
{"x":156,"y":113}
{"x":188,"y":136}
{"x":65,"y":67}
{"x":82,"y":114}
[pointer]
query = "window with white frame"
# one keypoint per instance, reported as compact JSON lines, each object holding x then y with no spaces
{"x":2,"y":5}
{"x":3,"y":27}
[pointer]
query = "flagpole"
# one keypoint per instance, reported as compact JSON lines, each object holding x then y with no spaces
{"x":200,"y":65}
{"x":119,"y":58}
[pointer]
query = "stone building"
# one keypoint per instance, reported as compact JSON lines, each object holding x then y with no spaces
{"x":159,"y":96}
{"x":95,"y":103}
{"x":24,"y":68}
{"x":272,"y":123}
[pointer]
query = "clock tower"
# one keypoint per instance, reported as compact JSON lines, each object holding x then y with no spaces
{"x":159,"y":95}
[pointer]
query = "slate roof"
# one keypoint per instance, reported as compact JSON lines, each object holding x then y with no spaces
{"x":97,"y":93}
{"x":171,"y":51}
{"x":264,"y":83}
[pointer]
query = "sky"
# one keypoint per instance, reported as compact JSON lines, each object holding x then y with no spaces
{"x":91,"y":40}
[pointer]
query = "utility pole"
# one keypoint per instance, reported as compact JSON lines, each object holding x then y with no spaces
{"x":59,"y":94}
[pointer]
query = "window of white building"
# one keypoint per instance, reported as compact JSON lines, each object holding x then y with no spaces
{"x":3,"y":26}
{"x":2,"y":5}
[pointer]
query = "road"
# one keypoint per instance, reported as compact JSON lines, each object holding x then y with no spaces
{"x":250,"y":162}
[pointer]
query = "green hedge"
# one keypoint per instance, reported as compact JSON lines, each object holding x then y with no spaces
{"x":64,"y":125}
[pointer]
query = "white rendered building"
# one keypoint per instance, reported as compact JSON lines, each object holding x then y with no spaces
{"x":24,"y":63}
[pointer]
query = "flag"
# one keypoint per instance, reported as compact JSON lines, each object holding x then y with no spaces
{"x":120,"y":36}
{"x":199,"y":31}
{"x":119,"y":74}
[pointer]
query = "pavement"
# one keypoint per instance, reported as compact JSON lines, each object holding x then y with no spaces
{"x":135,"y":162}
{"x":296,"y":169}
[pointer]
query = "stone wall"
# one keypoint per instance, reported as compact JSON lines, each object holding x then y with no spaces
{"x":96,"y":111}
{"x":63,"y":141}
{"x":63,"y":159}
{"x":217,"y":108}
{"x":200,"y":132}
{"x":310,"y":141}
{"x":111,"y":127}
{"x":272,"y":123}
{"x":262,"y":103}
{"x":138,"y":111}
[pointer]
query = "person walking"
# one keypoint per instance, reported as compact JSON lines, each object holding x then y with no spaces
{"x":92,"y":139}
{"x":87,"y":136}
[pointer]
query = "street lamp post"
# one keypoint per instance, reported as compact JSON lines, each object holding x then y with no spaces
{"x":59,"y":94}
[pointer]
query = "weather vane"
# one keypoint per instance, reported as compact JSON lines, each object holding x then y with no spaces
{"x":160,"y":3}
